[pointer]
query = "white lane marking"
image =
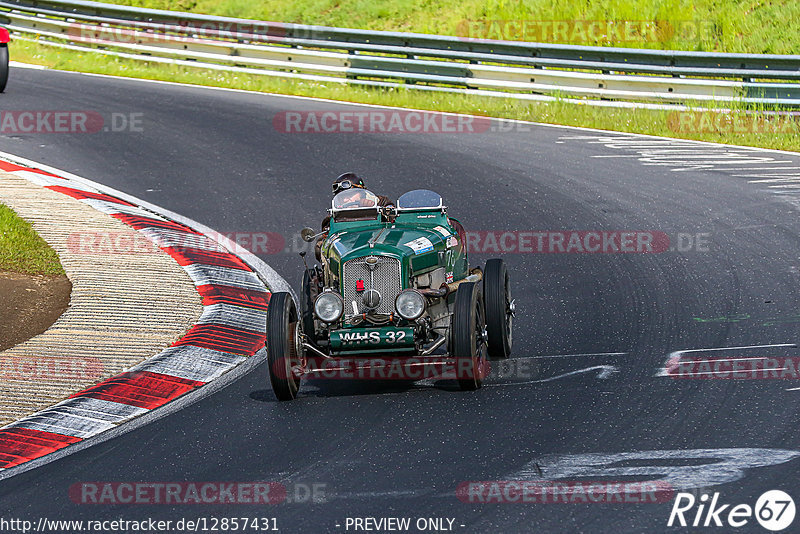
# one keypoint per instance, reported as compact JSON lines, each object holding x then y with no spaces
{"x":682,"y":149}
{"x":692,"y":155}
{"x":674,"y":358}
{"x":793,"y":389}
{"x":685,"y":156}
{"x":605,"y":372}
{"x":789,"y":174}
{"x":29,"y":66}
{"x":624,"y":140}
{"x":765,"y":168}
{"x":733,"y":160}
{"x":617,"y":156}
{"x":785,"y":178}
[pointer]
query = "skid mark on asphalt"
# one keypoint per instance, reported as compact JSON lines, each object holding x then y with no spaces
{"x":504,"y":373}
{"x":712,"y":467}
{"x":665,"y":470}
{"x":682,"y":156}
{"x":544,"y":357}
{"x":604,"y":372}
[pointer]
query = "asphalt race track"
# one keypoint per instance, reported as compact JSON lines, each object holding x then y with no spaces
{"x":400,"y":450}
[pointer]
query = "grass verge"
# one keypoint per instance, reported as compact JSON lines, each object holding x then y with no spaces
{"x":21,"y":248}
{"x":699,"y":125}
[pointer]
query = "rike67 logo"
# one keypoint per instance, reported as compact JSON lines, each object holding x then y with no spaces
{"x":774,"y":510}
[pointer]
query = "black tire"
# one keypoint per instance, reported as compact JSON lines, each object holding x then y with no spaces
{"x":307,"y":305}
{"x":468,"y":337}
{"x":3,"y":67}
{"x":281,"y":347}
{"x":499,"y":318}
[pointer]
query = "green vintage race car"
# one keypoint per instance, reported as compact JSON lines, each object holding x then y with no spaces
{"x":394,"y":281}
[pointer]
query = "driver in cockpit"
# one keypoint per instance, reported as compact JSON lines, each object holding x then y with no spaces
{"x":355,"y":198}
{"x":348,"y":181}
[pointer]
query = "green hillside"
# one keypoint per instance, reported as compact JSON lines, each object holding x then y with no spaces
{"x":766,"y":26}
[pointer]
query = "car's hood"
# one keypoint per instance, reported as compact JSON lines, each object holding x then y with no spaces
{"x":398,"y":240}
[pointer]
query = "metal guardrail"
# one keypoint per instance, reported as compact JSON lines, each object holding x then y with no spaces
{"x":505,"y":68}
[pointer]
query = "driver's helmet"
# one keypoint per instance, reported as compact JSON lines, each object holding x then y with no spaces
{"x":346,"y":181}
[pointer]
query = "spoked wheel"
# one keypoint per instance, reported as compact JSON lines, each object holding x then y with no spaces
{"x":283,"y":338}
{"x":469,"y":337}
{"x":499,"y":308}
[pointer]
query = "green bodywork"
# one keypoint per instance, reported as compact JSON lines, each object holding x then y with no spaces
{"x":350,"y":240}
{"x":356,"y":239}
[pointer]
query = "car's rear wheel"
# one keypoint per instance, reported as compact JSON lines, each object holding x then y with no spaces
{"x":3,"y":67}
{"x":499,"y":308}
{"x":469,"y":337}
{"x":282,"y":346}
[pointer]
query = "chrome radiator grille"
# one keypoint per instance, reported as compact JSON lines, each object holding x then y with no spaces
{"x":383,"y":276}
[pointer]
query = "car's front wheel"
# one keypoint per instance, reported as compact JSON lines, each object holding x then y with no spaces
{"x":282,"y":346}
{"x":3,"y":67}
{"x":469,"y":337}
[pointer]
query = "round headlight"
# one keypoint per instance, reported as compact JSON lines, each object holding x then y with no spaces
{"x":410,"y":304}
{"x":329,"y":306}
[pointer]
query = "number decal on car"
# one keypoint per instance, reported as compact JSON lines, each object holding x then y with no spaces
{"x":395,"y":337}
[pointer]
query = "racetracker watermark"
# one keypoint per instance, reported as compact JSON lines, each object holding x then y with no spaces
{"x":581,"y":31}
{"x":412,"y":368}
{"x":190,"y":31}
{"x":741,"y":123}
{"x":49,"y":367}
{"x":565,"y":242}
{"x":68,"y":122}
{"x":748,"y":368}
{"x":564,"y":492}
{"x":140,"y":243}
{"x":477,"y":242}
{"x":178,"y":493}
{"x":381,"y":121}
